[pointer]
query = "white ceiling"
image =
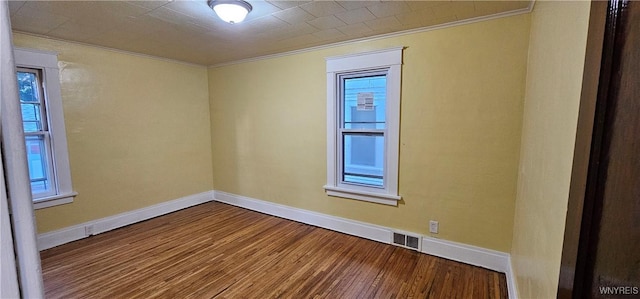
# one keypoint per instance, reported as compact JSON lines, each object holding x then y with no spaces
{"x":190,"y":31}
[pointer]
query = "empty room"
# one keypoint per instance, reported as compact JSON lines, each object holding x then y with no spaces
{"x":296,"y":149}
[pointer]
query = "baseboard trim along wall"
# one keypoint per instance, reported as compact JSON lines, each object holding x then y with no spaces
{"x":83,"y":230}
{"x":511,"y":281}
{"x":343,"y":225}
{"x":468,"y":254}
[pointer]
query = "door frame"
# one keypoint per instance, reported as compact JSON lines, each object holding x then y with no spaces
{"x":583,"y":209}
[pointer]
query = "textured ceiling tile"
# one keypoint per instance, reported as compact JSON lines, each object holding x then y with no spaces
{"x":186,"y":42}
{"x":386,"y":9}
{"x":355,"y":16}
{"x":440,"y":21}
{"x":148,"y":46}
{"x":151,"y":4}
{"x":327,"y":22}
{"x":104,"y":21}
{"x":194,"y":9}
{"x":415,"y":18}
{"x":193,"y":27}
{"x":262,"y":24}
{"x":384,"y":24}
{"x":464,"y":10}
{"x":329,"y":34}
{"x":104,"y":15}
{"x":443,"y":11}
{"x":213,"y":22}
{"x":274,"y":36}
{"x":287,"y":4}
{"x":63,"y":8}
{"x":300,"y":29}
{"x":144,"y":25}
{"x":14,"y":6}
{"x":422,"y":5}
{"x":358,"y":29}
{"x":118,"y":8}
{"x":220,"y":35}
{"x":261,"y":9}
{"x":322,"y":8}
{"x":294,"y":15}
{"x":36,"y":21}
{"x":350,"y":4}
{"x":168,"y":35}
{"x":169,"y":15}
{"x":298,"y":41}
{"x":74,"y":31}
{"x":486,"y":7}
{"x":513,"y":5}
{"x":114,"y":38}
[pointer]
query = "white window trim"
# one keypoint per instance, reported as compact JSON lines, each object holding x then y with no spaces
{"x":48,"y":63}
{"x":391,"y":60}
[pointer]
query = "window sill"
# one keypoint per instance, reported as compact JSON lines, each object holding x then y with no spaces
{"x":51,"y":201}
{"x":381,"y":198}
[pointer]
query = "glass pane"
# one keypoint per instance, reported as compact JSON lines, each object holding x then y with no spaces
{"x":363,"y":159}
{"x":37,"y":160}
{"x":31,"y":121}
{"x":364,"y":104}
{"x":28,"y":87}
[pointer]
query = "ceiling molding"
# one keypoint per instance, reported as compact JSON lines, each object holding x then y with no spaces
{"x":383,"y":36}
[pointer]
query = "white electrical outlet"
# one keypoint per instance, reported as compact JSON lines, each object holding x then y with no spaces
{"x":433,"y":227}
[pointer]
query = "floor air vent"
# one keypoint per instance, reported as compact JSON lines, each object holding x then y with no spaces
{"x":411,"y":242}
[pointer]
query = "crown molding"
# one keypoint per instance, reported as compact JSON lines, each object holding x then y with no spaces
{"x":525,"y":10}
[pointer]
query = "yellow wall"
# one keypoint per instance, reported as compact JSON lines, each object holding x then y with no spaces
{"x":138,"y":131}
{"x":462,"y":101}
{"x":554,"y":78}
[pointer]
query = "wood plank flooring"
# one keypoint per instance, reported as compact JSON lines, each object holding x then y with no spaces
{"x":216,"y":250}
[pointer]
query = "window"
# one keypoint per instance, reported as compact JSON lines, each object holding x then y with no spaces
{"x":43,"y":124}
{"x":363,"y":113}
{"x":36,"y":131}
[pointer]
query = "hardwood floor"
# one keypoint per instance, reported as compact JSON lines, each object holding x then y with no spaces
{"x":216,"y":250}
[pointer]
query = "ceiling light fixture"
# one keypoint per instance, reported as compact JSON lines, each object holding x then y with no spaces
{"x":230,"y":11}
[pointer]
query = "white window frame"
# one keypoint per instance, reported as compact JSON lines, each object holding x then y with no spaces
{"x":47,"y":63}
{"x":44,"y":132}
{"x":389,"y":60}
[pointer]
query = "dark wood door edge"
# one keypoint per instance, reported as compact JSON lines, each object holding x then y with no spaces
{"x":587,"y":152}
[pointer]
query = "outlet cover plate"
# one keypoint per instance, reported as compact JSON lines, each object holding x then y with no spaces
{"x":433,"y":227}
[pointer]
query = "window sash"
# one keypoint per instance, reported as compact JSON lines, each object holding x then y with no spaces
{"x":43,"y":132}
{"x":367,"y":172}
{"x":342,"y":132}
{"x":48,"y":175}
{"x":341,"y":78}
{"x":44,"y":124}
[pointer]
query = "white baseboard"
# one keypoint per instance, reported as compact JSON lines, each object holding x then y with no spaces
{"x":468,"y":254}
{"x":486,"y":258}
{"x":343,"y":225}
{"x":83,"y":230}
